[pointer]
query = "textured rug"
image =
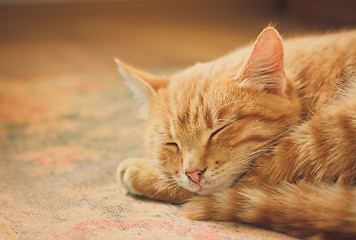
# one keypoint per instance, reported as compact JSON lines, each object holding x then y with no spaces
{"x":61,"y":139}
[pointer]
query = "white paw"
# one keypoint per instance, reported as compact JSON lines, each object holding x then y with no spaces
{"x":128,"y":171}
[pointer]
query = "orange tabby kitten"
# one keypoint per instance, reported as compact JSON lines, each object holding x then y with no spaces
{"x":264,"y":135}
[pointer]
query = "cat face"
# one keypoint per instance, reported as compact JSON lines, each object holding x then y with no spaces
{"x":207,"y":124}
{"x":206,"y":135}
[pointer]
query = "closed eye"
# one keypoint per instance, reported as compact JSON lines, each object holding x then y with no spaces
{"x":172,"y":146}
{"x":217,"y":131}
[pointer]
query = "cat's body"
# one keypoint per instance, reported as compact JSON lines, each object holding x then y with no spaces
{"x":265,"y":135}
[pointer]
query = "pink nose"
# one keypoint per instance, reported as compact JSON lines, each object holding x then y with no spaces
{"x":195,"y":176}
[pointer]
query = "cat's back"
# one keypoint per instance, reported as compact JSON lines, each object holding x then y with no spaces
{"x":323,"y":67}
{"x":330,"y":50}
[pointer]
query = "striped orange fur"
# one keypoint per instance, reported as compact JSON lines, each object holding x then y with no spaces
{"x":264,"y":135}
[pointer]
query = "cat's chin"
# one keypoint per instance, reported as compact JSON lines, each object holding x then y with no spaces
{"x":206,"y":191}
{"x":203,"y":190}
{"x":209,"y":190}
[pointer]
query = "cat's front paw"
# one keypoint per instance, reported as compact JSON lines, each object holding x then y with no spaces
{"x":142,"y":177}
{"x":199,"y":208}
{"x":127,"y":173}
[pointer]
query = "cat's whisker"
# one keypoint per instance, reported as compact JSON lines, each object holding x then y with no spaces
{"x":157,"y":177}
{"x":166,"y":187}
{"x":157,"y":185}
{"x":175,"y":191}
{"x":162,"y":180}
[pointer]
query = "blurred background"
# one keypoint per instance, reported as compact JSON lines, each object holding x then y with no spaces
{"x":51,"y":37}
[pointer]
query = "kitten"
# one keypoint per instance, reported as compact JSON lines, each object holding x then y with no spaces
{"x":264,"y":135}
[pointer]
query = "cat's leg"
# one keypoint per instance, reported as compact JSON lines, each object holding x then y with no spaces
{"x":142,"y":177}
{"x":300,"y":210}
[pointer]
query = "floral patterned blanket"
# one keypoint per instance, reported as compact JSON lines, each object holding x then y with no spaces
{"x":61,"y":140}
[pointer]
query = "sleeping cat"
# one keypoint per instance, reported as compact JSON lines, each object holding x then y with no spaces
{"x":265,"y":135}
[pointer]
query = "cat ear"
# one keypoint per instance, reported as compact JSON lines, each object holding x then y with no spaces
{"x":265,"y":66}
{"x":143,"y":84}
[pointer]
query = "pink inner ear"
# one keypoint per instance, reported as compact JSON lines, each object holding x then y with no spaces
{"x":265,"y":65}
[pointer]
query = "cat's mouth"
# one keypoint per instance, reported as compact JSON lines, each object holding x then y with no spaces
{"x":207,"y":186}
{"x":212,"y":187}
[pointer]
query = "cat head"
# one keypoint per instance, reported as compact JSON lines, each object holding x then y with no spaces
{"x":208,"y":123}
